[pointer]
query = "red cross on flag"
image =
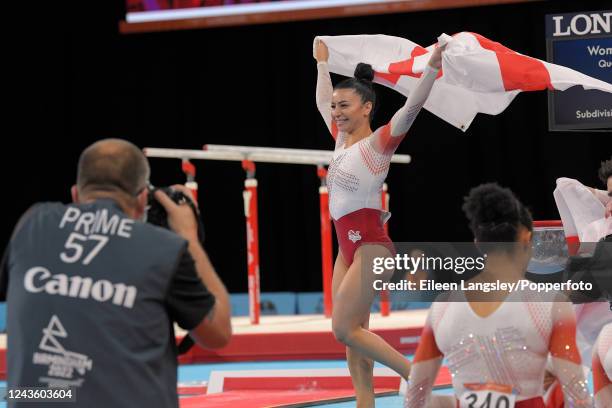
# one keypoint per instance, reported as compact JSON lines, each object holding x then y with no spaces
{"x":478,"y":75}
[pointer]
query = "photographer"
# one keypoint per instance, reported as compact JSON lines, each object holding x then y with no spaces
{"x":92,"y":292}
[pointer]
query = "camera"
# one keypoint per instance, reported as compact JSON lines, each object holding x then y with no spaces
{"x":156,"y":213}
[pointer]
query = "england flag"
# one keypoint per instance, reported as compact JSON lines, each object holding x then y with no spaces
{"x":478,"y":75}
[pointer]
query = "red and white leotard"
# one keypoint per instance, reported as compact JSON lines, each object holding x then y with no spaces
{"x":509,"y":347}
{"x":356,"y":174}
{"x":602,"y":368}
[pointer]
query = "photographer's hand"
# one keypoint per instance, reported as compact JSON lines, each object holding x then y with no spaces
{"x":186,"y":191}
{"x":180,"y":216}
{"x":215,"y":330}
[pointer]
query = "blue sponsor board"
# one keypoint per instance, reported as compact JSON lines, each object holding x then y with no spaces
{"x":271,"y":303}
{"x":289,"y":303}
{"x":2,"y":317}
{"x":312,"y":302}
{"x":581,"y":41}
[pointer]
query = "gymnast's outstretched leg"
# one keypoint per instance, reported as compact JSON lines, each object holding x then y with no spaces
{"x":353,"y":298}
{"x":360,"y":367}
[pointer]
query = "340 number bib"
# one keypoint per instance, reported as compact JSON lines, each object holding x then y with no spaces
{"x":487,"y":396}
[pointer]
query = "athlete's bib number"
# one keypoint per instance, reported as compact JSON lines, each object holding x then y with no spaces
{"x":487,"y":396}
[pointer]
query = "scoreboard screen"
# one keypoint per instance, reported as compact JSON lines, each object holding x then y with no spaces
{"x":583,"y":42}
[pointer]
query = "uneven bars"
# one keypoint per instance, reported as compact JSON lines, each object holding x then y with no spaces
{"x":259,"y":154}
{"x":257,"y":149}
{"x":398,"y":158}
{"x":237,"y":156}
{"x":191,"y":154}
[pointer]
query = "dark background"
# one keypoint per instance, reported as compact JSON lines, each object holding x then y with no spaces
{"x":79,"y":80}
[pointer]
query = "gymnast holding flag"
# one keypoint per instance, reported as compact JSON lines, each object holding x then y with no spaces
{"x":356,"y":175}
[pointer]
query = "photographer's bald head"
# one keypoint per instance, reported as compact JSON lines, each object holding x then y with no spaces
{"x":116,"y":169}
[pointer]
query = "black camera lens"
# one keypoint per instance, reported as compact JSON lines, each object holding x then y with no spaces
{"x":157,"y":215}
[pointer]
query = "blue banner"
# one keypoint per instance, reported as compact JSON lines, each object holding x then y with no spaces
{"x":583,"y":42}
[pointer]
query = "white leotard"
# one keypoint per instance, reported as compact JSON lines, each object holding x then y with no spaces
{"x":604,"y":349}
{"x":356,"y":174}
{"x":602,"y":368}
{"x":509,"y":347}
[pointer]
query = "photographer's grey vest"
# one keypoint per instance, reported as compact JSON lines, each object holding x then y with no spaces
{"x":88,"y":307}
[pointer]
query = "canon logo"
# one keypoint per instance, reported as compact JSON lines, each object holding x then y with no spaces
{"x":39,"y":279}
{"x":582,"y":24}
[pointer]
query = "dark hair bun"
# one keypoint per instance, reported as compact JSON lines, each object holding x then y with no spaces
{"x":605,"y":171}
{"x":491,"y":204}
{"x":364,"y":72}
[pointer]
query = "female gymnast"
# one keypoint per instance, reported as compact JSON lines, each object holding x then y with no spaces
{"x":496,"y":345}
{"x":356,"y":174}
{"x":602,"y":368}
